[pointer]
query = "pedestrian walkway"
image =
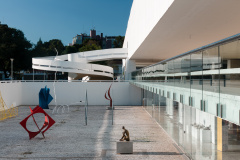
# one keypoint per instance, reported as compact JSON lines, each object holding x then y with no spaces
{"x":70,"y":138}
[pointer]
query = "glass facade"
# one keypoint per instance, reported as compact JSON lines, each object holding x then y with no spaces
{"x":195,"y":97}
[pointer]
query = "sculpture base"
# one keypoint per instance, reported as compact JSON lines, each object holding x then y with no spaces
{"x":125,"y":147}
{"x":109,"y":108}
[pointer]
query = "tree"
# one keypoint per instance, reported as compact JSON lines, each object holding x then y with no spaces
{"x":72,"y":49}
{"x":89,"y":48}
{"x":39,"y":43}
{"x":14,"y":45}
{"x":91,"y":42}
{"x":48,"y":48}
{"x":56,"y":43}
{"x":39,"y":50}
{"x":118,"y":42}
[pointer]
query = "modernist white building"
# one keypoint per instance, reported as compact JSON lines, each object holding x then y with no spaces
{"x":189,"y":80}
{"x":193,"y":90}
{"x":78,"y":64}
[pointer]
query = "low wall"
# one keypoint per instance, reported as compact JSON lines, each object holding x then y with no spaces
{"x":70,"y":93}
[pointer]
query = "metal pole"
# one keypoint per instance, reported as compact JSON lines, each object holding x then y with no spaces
{"x":86,"y":109}
{"x":85,"y":113}
{"x":159,"y":102}
{"x":33,"y":74}
{"x":87,"y":101}
{"x":11,"y":68}
{"x":112,"y":106}
{"x":152,"y":109}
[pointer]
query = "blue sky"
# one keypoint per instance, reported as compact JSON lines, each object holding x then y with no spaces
{"x":64,"y":19}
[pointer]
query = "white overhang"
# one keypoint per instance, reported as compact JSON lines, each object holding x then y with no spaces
{"x":187,"y":25}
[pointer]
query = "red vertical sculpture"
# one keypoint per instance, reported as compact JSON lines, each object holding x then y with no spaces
{"x":108,"y":96}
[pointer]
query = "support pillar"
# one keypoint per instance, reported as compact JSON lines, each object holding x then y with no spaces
{"x":187,"y":119}
{"x":130,"y":66}
{"x":169,"y":107}
{"x":238,"y":133}
{"x":222,"y":135}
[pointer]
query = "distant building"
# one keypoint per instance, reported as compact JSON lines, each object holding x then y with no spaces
{"x":105,"y":42}
{"x":80,"y":38}
{"x":109,"y":41}
{"x":93,"y":34}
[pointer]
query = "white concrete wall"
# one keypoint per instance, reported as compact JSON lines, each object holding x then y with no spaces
{"x":143,"y":17}
{"x":26,"y":93}
{"x":12,"y":93}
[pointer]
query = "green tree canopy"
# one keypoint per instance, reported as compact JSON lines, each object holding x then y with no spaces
{"x":118,"y":42}
{"x":55,"y":43}
{"x":14,"y":45}
{"x":91,"y":42}
{"x":89,"y":48}
{"x":48,"y":48}
{"x":72,"y":49}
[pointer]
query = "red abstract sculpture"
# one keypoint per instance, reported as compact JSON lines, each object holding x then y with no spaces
{"x":47,"y":124}
{"x":109,"y":96}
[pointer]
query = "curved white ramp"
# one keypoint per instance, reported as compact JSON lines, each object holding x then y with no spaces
{"x":77,"y":63}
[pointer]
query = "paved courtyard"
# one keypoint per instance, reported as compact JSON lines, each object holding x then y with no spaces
{"x":69,"y":138}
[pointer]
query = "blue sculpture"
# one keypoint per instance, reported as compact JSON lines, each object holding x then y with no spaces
{"x":45,"y":98}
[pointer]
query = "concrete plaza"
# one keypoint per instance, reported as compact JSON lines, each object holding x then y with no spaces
{"x":69,"y":138}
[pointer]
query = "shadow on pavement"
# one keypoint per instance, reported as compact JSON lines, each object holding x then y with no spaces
{"x":157,"y":153}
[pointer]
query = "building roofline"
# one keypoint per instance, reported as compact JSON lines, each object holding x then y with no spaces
{"x":214,"y":44}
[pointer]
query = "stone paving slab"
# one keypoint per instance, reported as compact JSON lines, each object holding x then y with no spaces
{"x":70,"y":139}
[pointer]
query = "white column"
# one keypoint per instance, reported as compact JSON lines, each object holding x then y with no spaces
{"x":130,"y":66}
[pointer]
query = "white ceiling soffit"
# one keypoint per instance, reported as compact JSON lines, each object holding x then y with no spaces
{"x":189,"y":24}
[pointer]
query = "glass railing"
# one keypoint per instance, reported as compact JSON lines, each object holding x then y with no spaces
{"x":193,"y":130}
